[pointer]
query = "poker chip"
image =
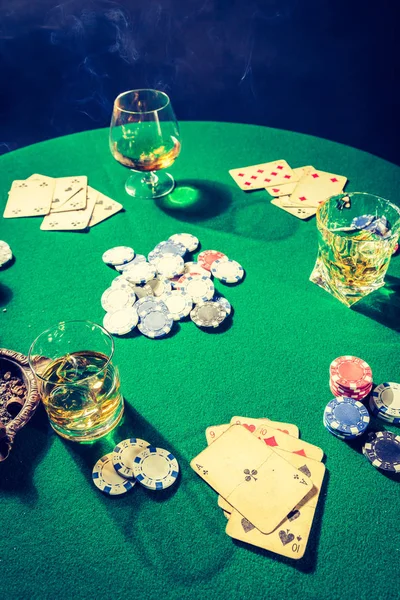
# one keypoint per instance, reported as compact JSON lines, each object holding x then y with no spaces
{"x":224,"y":303}
{"x":118,"y":255}
{"x":159,"y":285}
{"x":186,"y":239}
{"x":383,"y":451}
{"x":153,"y":257}
{"x":5,"y":253}
{"x":386,"y":397}
{"x":169,"y":264}
{"x":148,"y":303}
{"x":140,"y":272}
{"x":125,"y":453}
{"x":155,"y":468}
{"x":362,"y":222}
{"x":138,"y":259}
{"x":195,"y":267}
{"x":350,"y":372}
{"x":207,"y":257}
{"x":106,"y":478}
{"x":115,"y":298}
{"x":121,"y":322}
{"x":178,"y":303}
{"x":121,"y":282}
{"x":170,"y":247}
{"x":155,"y":322}
{"x":183,"y":279}
{"x":376,"y":412}
{"x":142,"y":290}
{"x":346,"y":416}
{"x":208,"y":314}
{"x":227,"y":270}
{"x":200,"y":289}
{"x":351,"y":394}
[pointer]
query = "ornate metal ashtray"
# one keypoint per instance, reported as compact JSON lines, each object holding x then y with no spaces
{"x":19,"y":397}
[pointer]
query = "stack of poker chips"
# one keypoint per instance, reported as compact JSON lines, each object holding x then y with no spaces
{"x":384,"y":402}
{"x":155,"y":292}
{"x":350,"y":377}
{"x":135,"y":460}
{"x":346,"y":418}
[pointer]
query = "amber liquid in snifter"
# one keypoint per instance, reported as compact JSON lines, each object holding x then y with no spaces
{"x":81,"y":395}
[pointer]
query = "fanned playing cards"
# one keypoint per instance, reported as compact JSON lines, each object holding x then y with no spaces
{"x":67,"y":203}
{"x":268,"y":481}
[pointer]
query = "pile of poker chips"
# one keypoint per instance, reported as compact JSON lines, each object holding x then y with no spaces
{"x":382,"y":449}
{"x":135,"y":460}
{"x":5,"y":253}
{"x":350,"y":377}
{"x":346,"y":418}
{"x":384,"y":402}
{"x":153,"y":293}
{"x":374,"y":227}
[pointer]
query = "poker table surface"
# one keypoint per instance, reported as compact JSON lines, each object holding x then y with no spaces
{"x":61,"y":537}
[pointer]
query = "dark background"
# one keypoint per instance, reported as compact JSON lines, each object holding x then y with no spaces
{"x":324,"y":67}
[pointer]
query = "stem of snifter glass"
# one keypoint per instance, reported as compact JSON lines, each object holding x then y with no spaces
{"x":150,"y":179}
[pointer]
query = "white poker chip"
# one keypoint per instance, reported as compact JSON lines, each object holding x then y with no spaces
{"x":159,"y":285}
{"x":118,"y":255}
{"x":190,"y":241}
{"x":147,"y":303}
{"x":142,"y":291}
{"x":156,"y":322}
{"x":200,"y":289}
{"x":125,"y":453}
{"x":169,"y":264}
{"x":5,"y":253}
{"x":121,"y":282}
{"x":195,"y":267}
{"x":115,"y":298}
{"x":155,"y":468}
{"x":227,"y":270}
{"x":106,"y":478}
{"x":121,"y":322}
{"x":140,"y":272}
{"x":224,"y":303}
{"x":178,"y":303}
{"x":138,"y":258}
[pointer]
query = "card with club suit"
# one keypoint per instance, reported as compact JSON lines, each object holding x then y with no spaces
{"x":29,"y":198}
{"x":104,"y":208}
{"x":69,"y":194}
{"x":259,"y":483}
{"x":71,"y":220}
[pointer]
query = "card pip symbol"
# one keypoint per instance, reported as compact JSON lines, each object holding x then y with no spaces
{"x":250,"y":474}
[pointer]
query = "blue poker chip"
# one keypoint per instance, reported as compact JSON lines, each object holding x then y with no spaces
{"x":171,"y":247}
{"x":382,"y":449}
{"x":347,"y":416}
{"x":106,"y":478}
{"x":333,"y":432}
{"x":147,"y":303}
{"x":155,"y":323}
{"x":362,"y":222}
{"x":224,"y":303}
{"x":155,"y":468}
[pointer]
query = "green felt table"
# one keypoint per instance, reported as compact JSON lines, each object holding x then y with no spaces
{"x":61,"y":537}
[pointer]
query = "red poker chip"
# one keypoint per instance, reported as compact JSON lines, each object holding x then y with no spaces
{"x":350,"y":372}
{"x":207,"y":257}
{"x":342,"y":388}
{"x":183,"y":278}
{"x":350,"y":394}
{"x":395,"y":249}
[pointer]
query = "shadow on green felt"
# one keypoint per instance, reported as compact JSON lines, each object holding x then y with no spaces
{"x":158,"y":524}
{"x":248,"y":214}
{"x":30,"y":445}
{"x":6,"y":295}
{"x":308,"y":563}
{"x":383,"y":305}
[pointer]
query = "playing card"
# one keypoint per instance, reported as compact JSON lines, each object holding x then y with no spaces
{"x":287,"y":188}
{"x":104,"y":208}
{"x":301,"y":212}
{"x":72,"y":220}
{"x":291,"y":536}
{"x":29,"y":198}
{"x":252,"y":424}
{"x":41,"y":177}
{"x":69,"y":194}
{"x":315,"y":187}
{"x":214,"y":431}
{"x":253,"y":478}
{"x":257,"y":177}
{"x":276,"y":439}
